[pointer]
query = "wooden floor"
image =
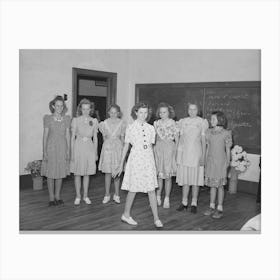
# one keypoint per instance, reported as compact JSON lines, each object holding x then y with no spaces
{"x":35,"y":215}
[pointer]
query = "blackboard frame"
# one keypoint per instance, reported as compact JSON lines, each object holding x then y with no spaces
{"x":204,"y":85}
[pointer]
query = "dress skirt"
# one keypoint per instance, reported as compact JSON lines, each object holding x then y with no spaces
{"x":140,"y":171}
{"x":193,"y":176}
{"x":111,"y":154}
{"x":165,"y":151}
{"x":84,"y":157}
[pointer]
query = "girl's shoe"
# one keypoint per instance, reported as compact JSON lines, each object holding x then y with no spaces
{"x":210,"y":211}
{"x":158,"y":200}
{"x":106,"y":199}
{"x":193,"y":209}
{"x":52,"y":203}
{"x":87,"y":200}
{"x":217,"y":215}
{"x":129,"y":220}
{"x":158,"y":224}
{"x":77,"y":201}
{"x":166,"y":203}
{"x":117,"y":199}
{"x":182,"y":207}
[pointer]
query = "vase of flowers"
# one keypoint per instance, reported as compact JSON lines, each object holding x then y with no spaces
{"x":239,"y":163}
{"x":34,"y":167}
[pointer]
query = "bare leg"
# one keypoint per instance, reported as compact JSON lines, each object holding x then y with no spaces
{"x":195,"y":192}
{"x":153,"y":203}
{"x":128,"y":203}
{"x":85,"y":185}
{"x":168,"y":184}
{"x":117,"y":186}
{"x":186,"y":189}
{"x":78,"y":186}
{"x":220,"y":198}
{"x":213,"y":192}
{"x":51,"y":188}
{"x":58,"y":184}
{"x":160,"y":185}
{"x":108,"y":179}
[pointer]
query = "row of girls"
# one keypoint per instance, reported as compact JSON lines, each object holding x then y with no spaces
{"x":188,"y":149}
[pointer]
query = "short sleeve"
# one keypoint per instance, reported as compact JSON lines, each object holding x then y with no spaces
{"x":67,"y":121}
{"x":228,"y":138}
{"x":123,"y":128}
{"x":128,"y":138}
{"x":47,"y":121}
{"x":153,"y":135}
{"x":74,"y":126}
{"x":204,"y":127}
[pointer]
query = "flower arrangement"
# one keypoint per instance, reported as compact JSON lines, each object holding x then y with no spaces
{"x":239,"y":159}
{"x":34,"y":167}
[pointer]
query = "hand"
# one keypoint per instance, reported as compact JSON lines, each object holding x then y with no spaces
{"x":228,"y":162}
{"x":45,"y":156}
{"x":96,"y":157}
{"x":118,"y":171}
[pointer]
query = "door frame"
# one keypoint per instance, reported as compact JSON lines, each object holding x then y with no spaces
{"x":111,"y":78}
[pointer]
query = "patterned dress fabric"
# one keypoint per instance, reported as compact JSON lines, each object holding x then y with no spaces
{"x":165,"y":148}
{"x":57,"y":164}
{"x":140,"y":171}
{"x":111,"y":153}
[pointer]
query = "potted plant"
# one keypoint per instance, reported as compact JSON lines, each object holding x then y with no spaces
{"x":34,"y":167}
{"x":239,"y":163}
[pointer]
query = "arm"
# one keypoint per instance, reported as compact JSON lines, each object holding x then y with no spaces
{"x":124,"y":152}
{"x":228,"y":154}
{"x":73,"y":134}
{"x":203,"y":145}
{"x":45,"y":140}
{"x":68,"y":143}
{"x":95,"y":141}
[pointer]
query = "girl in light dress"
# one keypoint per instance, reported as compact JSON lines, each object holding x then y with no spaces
{"x":56,"y":148}
{"x":218,"y":142}
{"x":140,"y":171}
{"x":113,"y":131}
{"x":83,"y":149}
{"x":191,"y":156}
{"x":165,"y":150}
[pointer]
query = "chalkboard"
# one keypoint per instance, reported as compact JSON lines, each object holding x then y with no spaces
{"x":240,"y":101}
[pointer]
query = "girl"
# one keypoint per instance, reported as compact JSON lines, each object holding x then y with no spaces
{"x":140,"y":171}
{"x":56,"y":148}
{"x":113,"y":130}
{"x":190,"y":156}
{"x":219,"y":141}
{"x":165,"y":150}
{"x":83,"y":150}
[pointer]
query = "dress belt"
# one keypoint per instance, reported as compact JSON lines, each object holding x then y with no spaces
{"x":84,"y":139}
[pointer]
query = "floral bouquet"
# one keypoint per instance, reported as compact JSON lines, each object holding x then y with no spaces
{"x":239,"y":159}
{"x":34,"y":167}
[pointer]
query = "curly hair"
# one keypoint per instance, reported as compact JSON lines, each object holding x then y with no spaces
{"x":169,"y":107}
{"x":118,"y":109}
{"x":82,"y":102}
{"x":53,"y":101}
{"x":139,"y":105}
{"x":222,"y":120}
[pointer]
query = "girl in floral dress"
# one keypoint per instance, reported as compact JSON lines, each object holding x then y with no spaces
{"x":191,"y":156}
{"x":219,"y":142}
{"x":140,"y":171}
{"x":113,"y":131}
{"x":83,"y":149}
{"x":165,"y":150}
{"x":56,"y":148}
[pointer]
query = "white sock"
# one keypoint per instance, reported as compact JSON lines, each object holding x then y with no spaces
{"x":194,"y":202}
{"x":220,"y":207}
{"x":212,"y":205}
{"x":185,"y":202}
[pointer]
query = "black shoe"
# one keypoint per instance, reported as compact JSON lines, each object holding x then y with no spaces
{"x":52,"y":203}
{"x":59,"y":202}
{"x":193,"y":209}
{"x":182,"y":207}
